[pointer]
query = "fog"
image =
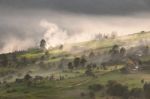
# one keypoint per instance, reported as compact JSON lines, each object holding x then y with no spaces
{"x":85,"y":28}
{"x":23,"y":27}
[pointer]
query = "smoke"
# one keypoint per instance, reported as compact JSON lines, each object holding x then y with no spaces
{"x":63,"y":28}
{"x":15,"y":44}
{"x":56,"y":35}
{"x":67,"y":21}
{"x":77,"y":28}
{"x":53,"y":35}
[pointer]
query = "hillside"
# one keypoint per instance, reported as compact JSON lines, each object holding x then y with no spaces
{"x":67,"y":73}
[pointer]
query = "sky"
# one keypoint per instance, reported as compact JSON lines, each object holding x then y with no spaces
{"x":23,"y":23}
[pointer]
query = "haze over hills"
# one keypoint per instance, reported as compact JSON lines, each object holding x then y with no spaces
{"x":74,"y":49}
{"x":69,"y":51}
{"x":74,"y":68}
{"x":25,"y":24}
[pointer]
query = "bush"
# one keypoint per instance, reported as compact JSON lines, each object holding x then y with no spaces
{"x":124,"y":70}
{"x":89,"y":72}
{"x":146,"y":88}
{"x":136,"y":92}
{"x":142,"y":81}
{"x":27,"y":77}
{"x":116,"y":89}
{"x":92,"y":95}
{"x":11,"y":90}
{"x":96,"y":87}
{"x":82,"y":94}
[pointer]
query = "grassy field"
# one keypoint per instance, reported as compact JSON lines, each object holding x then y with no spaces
{"x":75,"y":81}
{"x":70,"y":88}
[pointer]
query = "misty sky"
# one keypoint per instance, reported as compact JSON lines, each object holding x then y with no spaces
{"x":21,"y":21}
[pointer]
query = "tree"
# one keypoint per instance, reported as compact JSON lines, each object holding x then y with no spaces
{"x":27,"y":77}
{"x":116,"y":89}
{"x":83,"y":61}
{"x":76,"y":62}
{"x":104,"y":66}
{"x":61,"y":47}
{"x":89,"y":66}
{"x":70,"y":66}
{"x":91,"y":54}
{"x":14,"y":57}
{"x":43,"y":44}
{"x":96,"y":87}
{"x":98,"y":36}
{"x":41,"y":64}
{"x":122,"y":51}
{"x":89,"y":72}
{"x":115,"y":50}
{"x":136,"y":92}
{"x":82,"y":94}
{"x":146,"y":50}
{"x":94,"y":65}
{"x":24,"y":61}
{"x":113,"y":35}
{"x":146,"y":88}
{"x":47,"y":53}
{"x":4,"y":60}
{"x":142,"y":31}
{"x":92,"y":95}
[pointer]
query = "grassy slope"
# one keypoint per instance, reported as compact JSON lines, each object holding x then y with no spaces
{"x":71,"y":88}
{"x":101,"y":45}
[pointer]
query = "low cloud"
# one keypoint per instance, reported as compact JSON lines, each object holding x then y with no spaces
{"x":70,"y":28}
{"x":15,"y":44}
{"x":55,"y":35}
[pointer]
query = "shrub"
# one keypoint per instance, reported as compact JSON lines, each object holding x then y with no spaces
{"x":92,"y":95}
{"x":89,"y":72}
{"x":96,"y":87}
{"x":82,"y":94}
{"x":146,"y":88}
{"x":116,"y":89}
{"x":136,"y":92}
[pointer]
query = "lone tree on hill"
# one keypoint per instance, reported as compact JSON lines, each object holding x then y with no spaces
{"x":43,"y":44}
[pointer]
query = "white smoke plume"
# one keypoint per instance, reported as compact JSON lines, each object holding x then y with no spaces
{"x":63,"y":29}
{"x":55,"y":35}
